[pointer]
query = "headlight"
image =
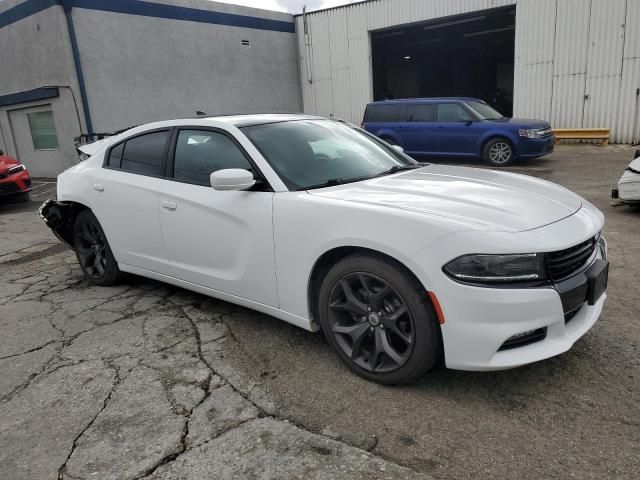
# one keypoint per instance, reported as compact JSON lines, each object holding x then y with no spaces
{"x":531,"y":133}
{"x":491,"y":269}
{"x":16,"y":169}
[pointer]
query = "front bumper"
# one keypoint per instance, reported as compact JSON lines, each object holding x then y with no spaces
{"x":479,"y":320}
{"x":15,"y":184}
{"x":59,"y":217}
{"x":536,"y":147}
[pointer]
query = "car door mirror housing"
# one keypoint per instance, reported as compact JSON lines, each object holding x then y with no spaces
{"x":232,"y":179}
{"x":398,"y":148}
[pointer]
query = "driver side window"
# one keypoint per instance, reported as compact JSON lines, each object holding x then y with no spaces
{"x":452,"y":112}
{"x":201,"y":152}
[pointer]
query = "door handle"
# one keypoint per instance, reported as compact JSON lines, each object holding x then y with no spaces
{"x":98,"y":187}
{"x":169,"y":205}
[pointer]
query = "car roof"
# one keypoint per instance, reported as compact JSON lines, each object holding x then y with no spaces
{"x":399,"y":101}
{"x":251,"y":119}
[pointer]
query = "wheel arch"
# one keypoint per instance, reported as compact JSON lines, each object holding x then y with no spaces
{"x":492,"y":136}
{"x":329,"y":258}
{"x":61,"y":216}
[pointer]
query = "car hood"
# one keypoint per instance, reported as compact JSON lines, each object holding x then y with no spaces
{"x":6,"y":163}
{"x":484,"y":199}
{"x":523,"y":122}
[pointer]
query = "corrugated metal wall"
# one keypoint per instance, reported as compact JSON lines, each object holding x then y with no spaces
{"x":577,"y":62}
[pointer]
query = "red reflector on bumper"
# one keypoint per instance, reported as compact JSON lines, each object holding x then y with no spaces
{"x":437,"y":307}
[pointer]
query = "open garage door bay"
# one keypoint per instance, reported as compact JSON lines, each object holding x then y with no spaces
{"x":465,"y":55}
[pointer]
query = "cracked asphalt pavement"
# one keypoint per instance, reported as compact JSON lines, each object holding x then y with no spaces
{"x":146,"y":380}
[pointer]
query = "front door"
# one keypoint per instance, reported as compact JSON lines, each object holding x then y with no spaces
{"x":456,"y":133}
{"x":222,"y":240}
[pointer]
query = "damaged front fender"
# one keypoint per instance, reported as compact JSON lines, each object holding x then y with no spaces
{"x":60,"y":218}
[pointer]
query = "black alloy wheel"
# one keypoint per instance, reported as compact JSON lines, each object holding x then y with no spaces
{"x":379,"y":319}
{"x":93,"y":251}
{"x":371,"y":322}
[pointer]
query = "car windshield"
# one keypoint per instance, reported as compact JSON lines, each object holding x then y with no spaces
{"x":485,"y":111}
{"x":310,"y":154}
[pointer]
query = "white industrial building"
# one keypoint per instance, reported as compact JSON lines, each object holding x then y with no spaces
{"x":82,"y":66}
{"x":573,"y":62}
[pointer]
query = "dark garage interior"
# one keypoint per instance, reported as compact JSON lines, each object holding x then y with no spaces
{"x":464,"y":55}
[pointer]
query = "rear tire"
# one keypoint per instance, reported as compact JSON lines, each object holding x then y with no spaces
{"x":378,"y":318}
{"x":498,"y":152}
{"x":93,"y":251}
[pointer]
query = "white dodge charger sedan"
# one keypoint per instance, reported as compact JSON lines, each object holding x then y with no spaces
{"x":323,"y":225}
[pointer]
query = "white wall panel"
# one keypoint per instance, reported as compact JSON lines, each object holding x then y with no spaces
{"x":572,"y":37}
{"x":606,"y":37}
{"x":535,"y":31}
{"x":568,"y":100}
{"x":628,"y":126}
{"x":533,"y":85}
{"x":600,"y":110}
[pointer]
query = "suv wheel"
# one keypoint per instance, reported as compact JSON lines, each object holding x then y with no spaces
{"x":379,"y":320}
{"x":498,"y":152}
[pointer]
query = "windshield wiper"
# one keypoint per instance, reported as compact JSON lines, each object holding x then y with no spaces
{"x":397,"y":168}
{"x":329,"y":183}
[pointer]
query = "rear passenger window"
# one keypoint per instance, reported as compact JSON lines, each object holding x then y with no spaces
{"x":452,"y":112}
{"x":201,"y":152}
{"x":144,"y":154}
{"x":422,"y":113}
{"x":115,"y":155}
{"x":386,"y":113}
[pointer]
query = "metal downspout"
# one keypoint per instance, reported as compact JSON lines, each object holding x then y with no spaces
{"x":68,"y":6}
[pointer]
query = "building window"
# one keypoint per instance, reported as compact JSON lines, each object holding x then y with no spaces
{"x":43,"y":130}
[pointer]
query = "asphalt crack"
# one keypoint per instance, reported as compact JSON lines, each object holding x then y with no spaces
{"x":117,"y":380}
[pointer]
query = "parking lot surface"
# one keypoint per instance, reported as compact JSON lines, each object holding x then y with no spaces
{"x":145,"y":379}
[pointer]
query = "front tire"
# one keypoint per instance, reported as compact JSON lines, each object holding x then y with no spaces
{"x":498,"y":152}
{"x":378,"y":318}
{"x":92,"y":249}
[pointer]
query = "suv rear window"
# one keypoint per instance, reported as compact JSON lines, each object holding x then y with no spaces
{"x":385,"y":113}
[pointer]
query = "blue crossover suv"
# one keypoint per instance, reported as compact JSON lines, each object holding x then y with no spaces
{"x":457,"y":127}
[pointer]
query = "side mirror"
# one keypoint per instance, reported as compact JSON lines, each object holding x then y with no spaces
{"x":232,"y":179}
{"x":398,"y":148}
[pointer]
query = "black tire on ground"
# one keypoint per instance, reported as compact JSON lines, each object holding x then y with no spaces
{"x":498,"y":152}
{"x":92,"y":249}
{"x":379,"y":319}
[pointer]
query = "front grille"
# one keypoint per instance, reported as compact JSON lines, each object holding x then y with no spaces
{"x":523,"y":339}
{"x":563,"y":263}
{"x":9,"y":188}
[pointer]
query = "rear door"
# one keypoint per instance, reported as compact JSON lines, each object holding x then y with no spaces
{"x":456,"y":132}
{"x":419,"y":131}
{"x":221,"y":240}
{"x":126,"y":199}
{"x":388,"y":121}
